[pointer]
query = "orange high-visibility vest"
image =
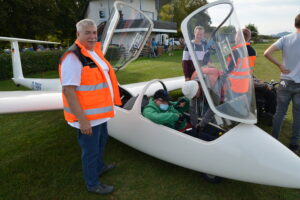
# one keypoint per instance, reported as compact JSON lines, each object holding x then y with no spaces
{"x":241,"y":74}
{"x":252,"y":58}
{"x":93,"y":93}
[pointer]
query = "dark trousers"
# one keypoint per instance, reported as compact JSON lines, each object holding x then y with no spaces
{"x":92,"y":151}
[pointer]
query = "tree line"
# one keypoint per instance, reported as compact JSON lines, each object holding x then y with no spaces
{"x":41,"y":19}
{"x":55,"y":19}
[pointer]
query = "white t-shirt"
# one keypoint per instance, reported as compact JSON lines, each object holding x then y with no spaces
{"x":166,"y":42}
{"x":290,"y":46}
{"x":71,"y":69}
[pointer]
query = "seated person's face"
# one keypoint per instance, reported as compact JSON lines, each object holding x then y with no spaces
{"x":160,"y":101}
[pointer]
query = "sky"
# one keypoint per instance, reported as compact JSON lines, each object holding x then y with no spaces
{"x":269,"y":16}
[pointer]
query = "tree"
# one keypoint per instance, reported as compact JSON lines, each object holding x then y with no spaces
{"x":254,"y":32}
{"x":26,"y":18}
{"x":69,"y":13}
{"x":167,"y":12}
{"x":40,"y":19}
{"x":177,"y":10}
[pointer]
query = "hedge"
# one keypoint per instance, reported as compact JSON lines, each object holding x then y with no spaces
{"x":32,"y":62}
{"x":42,"y":61}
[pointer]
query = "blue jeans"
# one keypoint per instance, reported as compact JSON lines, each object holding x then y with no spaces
{"x":92,"y":151}
{"x":285,"y":93}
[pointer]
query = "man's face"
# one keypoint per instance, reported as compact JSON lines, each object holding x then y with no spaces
{"x":199,"y":34}
{"x":88,"y":37}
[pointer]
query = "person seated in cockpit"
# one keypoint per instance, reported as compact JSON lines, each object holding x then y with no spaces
{"x":198,"y":106}
{"x":163,"y":111}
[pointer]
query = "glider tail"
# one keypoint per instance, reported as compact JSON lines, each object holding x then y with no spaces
{"x":15,"y":53}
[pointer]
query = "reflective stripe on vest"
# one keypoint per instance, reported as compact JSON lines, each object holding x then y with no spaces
{"x":93,"y":111}
{"x":91,"y":87}
{"x":239,"y":77}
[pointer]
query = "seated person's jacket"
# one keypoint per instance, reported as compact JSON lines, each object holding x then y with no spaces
{"x":168,"y":117}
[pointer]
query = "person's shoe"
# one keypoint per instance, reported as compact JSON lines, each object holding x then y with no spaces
{"x":294,"y":148}
{"x":101,"y":189}
{"x":106,"y":168}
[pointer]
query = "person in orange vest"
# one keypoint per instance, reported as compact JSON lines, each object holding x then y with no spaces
{"x":251,"y":51}
{"x":262,"y":90}
{"x":90,"y":91}
{"x":240,"y":65}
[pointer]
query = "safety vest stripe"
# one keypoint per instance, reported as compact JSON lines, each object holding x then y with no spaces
{"x":243,"y":69}
{"x":93,"y":111}
{"x":91,"y":87}
{"x":239,"y":77}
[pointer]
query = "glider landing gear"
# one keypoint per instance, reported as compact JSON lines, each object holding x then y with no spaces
{"x":212,"y":178}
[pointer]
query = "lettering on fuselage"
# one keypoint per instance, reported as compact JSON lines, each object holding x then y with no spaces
{"x":36,"y":86}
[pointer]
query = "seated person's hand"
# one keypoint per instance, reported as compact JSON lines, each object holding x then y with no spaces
{"x":199,"y":128}
{"x":181,"y":103}
{"x":179,"y":121}
{"x":181,"y":118}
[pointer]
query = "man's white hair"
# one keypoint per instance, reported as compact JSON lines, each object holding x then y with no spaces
{"x":84,"y":23}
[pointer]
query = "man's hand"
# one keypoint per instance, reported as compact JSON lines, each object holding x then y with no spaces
{"x":283,"y":69}
{"x":85,"y":127}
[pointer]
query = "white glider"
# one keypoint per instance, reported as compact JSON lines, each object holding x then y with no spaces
{"x":245,"y":152}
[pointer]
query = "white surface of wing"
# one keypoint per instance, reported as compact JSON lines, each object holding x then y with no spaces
{"x":29,"y":101}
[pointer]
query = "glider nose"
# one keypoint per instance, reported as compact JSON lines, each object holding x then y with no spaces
{"x":260,"y":158}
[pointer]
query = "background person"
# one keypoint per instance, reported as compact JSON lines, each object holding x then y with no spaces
{"x":289,"y":86}
{"x":166,"y":45}
{"x":262,"y":90}
{"x":154,"y":47}
{"x":90,"y":91}
{"x":241,"y":65}
{"x":201,"y":49}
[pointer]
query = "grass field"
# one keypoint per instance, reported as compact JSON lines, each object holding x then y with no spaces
{"x":40,"y":157}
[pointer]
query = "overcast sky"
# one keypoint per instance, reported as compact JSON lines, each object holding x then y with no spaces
{"x":269,"y":16}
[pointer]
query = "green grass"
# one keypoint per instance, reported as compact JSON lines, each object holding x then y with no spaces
{"x":40,"y":157}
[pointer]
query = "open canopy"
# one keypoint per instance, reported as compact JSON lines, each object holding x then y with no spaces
{"x":124,"y":35}
{"x":224,"y":70}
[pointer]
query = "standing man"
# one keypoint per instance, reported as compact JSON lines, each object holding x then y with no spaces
{"x":154,"y":47}
{"x":200,"y":47}
{"x":90,"y":91}
{"x":289,"y":86}
{"x":166,"y":45}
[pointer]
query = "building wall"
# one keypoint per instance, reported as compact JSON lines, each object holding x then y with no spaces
{"x":101,"y":10}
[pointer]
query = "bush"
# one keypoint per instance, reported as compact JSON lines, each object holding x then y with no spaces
{"x":5,"y":67}
{"x":32,"y":62}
